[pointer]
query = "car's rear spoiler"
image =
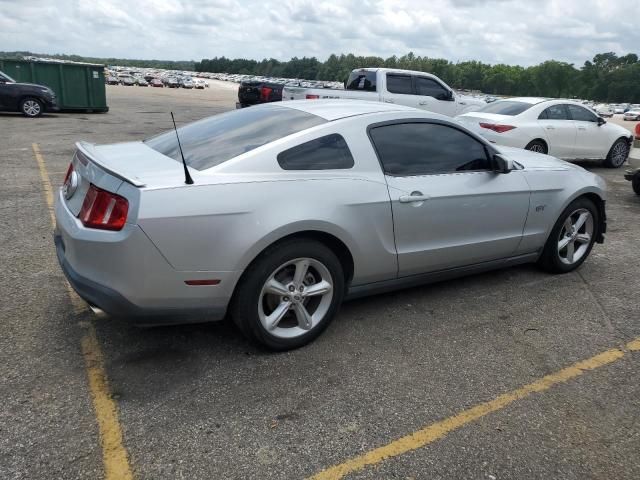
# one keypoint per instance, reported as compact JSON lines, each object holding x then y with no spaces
{"x":87,"y":150}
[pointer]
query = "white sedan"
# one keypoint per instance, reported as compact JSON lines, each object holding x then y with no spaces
{"x":561,"y":128}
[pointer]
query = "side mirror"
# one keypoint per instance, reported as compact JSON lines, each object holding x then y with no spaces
{"x":601,"y":121}
{"x":501,"y":164}
{"x":446,"y":97}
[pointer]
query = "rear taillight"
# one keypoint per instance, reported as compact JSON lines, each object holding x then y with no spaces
{"x":68,"y":174}
{"x":103,"y":210}
{"x":313,"y":97}
{"x":265,"y":92}
{"x":497,"y":127}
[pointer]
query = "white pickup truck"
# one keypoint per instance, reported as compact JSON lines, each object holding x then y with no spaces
{"x":403,"y":87}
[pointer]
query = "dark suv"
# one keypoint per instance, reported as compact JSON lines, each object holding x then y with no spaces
{"x":252,"y":92}
{"x":28,"y":98}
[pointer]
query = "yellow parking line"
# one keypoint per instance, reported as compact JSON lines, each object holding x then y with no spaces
{"x":114,"y":453}
{"x":437,"y":430}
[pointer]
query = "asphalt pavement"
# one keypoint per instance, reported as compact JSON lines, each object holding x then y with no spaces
{"x":199,"y":402}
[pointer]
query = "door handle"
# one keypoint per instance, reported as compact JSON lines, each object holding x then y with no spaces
{"x":388,"y":100}
{"x":414,"y":197}
{"x":422,"y":103}
{"x":550,"y":128}
{"x":582,"y":128}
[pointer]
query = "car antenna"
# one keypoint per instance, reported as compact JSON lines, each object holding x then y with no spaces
{"x":187,"y":177}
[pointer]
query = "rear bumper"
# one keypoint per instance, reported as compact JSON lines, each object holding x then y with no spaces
{"x":123,"y":274}
{"x":115,"y":304}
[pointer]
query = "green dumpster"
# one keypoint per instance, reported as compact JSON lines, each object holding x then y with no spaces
{"x":78,"y":86}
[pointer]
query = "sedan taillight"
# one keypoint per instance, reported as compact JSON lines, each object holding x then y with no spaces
{"x":103,"y":210}
{"x":312,"y":97}
{"x":497,"y":127}
{"x":68,"y":174}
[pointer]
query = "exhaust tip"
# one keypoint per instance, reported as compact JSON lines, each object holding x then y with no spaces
{"x":98,"y":312}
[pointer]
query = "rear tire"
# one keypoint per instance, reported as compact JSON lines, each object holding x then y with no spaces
{"x":537,"y":146}
{"x":617,"y":154}
{"x":31,"y":107}
{"x":273,"y":305}
{"x":571,"y":238}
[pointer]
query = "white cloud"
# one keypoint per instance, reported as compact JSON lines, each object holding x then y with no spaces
{"x":508,"y":31}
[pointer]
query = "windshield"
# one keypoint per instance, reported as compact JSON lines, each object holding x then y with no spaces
{"x":506,"y":107}
{"x":7,"y":77}
{"x":214,"y":140}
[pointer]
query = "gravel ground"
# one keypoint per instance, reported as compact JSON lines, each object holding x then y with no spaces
{"x":198,"y":402}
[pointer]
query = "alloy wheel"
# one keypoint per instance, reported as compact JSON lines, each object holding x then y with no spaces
{"x":295,"y":298}
{"x":31,"y":108}
{"x":575,"y":236}
{"x":536,"y":147}
{"x":619,"y":153}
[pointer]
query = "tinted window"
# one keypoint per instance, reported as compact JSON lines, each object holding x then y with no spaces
{"x":324,"y":153}
{"x":555,"y":112}
{"x":399,"y":84}
{"x":362,"y":80}
{"x":581,"y":114}
{"x":425,"y":148}
{"x":506,"y":107}
{"x":430,"y":88}
{"x":214,"y":140}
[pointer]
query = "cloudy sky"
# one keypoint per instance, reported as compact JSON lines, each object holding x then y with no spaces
{"x":521,"y":32}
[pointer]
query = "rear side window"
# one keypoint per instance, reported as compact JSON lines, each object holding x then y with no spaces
{"x":506,"y":107}
{"x":407,"y":149}
{"x":554,"y":112}
{"x":399,"y":84}
{"x":214,"y":140}
{"x":325,"y":153}
{"x":362,"y":80}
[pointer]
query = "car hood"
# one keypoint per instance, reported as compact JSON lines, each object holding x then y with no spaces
{"x":31,"y":85}
{"x":535,"y":161}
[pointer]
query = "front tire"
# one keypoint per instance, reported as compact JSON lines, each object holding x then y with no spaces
{"x":571,"y":238}
{"x":289,"y":295}
{"x":31,"y":107}
{"x":537,"y":146}
{"x":617,"y":154}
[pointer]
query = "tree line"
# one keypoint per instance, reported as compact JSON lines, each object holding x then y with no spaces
{"x":606,"y":78}
{"x":187,"y":65}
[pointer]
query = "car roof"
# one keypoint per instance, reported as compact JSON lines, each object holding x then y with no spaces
{"x":531,"y":100}
{"x":336,"y":109}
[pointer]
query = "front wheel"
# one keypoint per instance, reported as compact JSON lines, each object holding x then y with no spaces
{"x":31,"y":107}
{"x":571,"y":238}
{"x":289,"y":295}
{"x":617,"y":154}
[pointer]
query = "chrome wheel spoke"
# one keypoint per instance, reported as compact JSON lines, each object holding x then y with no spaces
{"x":321,"y":288}
{"x":583,"y":238}
{"x":568,"y":225}
{"x":274,"y":319}
{"x":304,"y":318}
{"x":581,"y":220}
{"x":302,"y":267}
{"x":274,"y":287}
{"x":570,"y":251}
{"x":564,"y":242}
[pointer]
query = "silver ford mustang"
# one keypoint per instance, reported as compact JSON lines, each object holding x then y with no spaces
{"x":276,"y":213}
